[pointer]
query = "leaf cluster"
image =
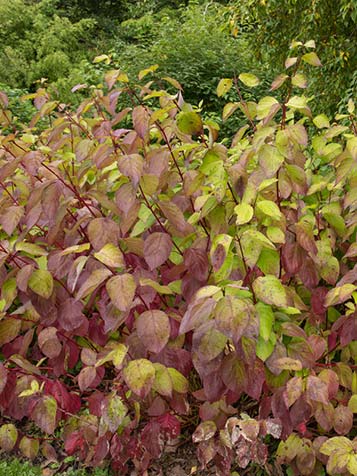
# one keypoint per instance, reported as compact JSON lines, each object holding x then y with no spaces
{"x":154,"y":274}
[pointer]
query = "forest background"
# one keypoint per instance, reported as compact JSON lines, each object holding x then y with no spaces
{"x":198,"y":42}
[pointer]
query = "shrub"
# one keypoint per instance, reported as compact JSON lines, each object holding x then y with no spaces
{"x":153,"y":279}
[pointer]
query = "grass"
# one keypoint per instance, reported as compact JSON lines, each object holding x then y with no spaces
{"x":15,"y":467}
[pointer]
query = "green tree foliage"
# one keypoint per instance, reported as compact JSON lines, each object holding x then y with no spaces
{"x":36,"y":43}
{"x":332,"y":23}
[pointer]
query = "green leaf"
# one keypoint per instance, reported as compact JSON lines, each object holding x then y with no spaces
{"x":146,"y":71}
{"x":299,"y":80}
{"x":252,"y":242}
{"x":95,"y":279}
{"x":264,"y":349}
{"x":229,"y":109}
{"x":265,"y":105}
{"x":111,"y":256}
{"x":116,"y":355}
{"x":76,"y":249}
{"x":41,"y":283}
{"x":336,"y":443}
{"x":266,"y":320}
{"x":270,"y":160}
{"x":249,"y":79}
{"x":278,"y":81}
{"x":321,"y":121}
{"x":44,"y":414}
{"x":311,"y":58}
{"x":209,"y":342}
{"x":179,"y":382}
{"x":270,"y":209}
{"x":139,"y":375}
{"x":100,"y":58}
{"x":297,"y":102}
{"x":29,"y":447}
{"x":270,"y":290}
{"x":224,"y":86}
{"x":339,"y":294}
{"x":8,"y":436}
{"x":121,"y":290}
{"x":352,"y":403}
{"x":244,"y":213}
{"x":275,"y":234}
{"x":163,"y":382}
{"x":155,"y":285}
{"x":232,"y":316}
{"x":30,"y":248}
{"x":114,"y":413}
{"x":189,"y":122}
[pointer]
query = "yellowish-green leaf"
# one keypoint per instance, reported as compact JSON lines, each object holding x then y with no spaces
{"x":224,"y":86}
{"x":321,"y":121}
{"x":189,"y":122}
{"x":121,"y":290}
{"x":76,"y":249}
{"x":244,"y":213}
{"x":270,"y":209}
{"x":41,"y":283}
{"x":110,"y":255}
{"x":155,"y":285}
{"x":30,"y":248}
{"x":270,"y":290}
{"x":249,"y":79}
{"x":311,"y":58}
{"x":339,"y":294}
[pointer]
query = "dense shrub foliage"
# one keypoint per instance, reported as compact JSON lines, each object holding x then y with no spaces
{"x":159,"y":281}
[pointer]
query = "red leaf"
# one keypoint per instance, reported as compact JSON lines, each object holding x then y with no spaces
{"x":196,"y":262}
{"x":44,"y":414}
{"x":141,"y":121}
{"x":316,"y":390}
{"x":74,"y":442}
{"x":308,"y":273}
{"x":169,"y":425}
{"x":11,"y":219}
{"x":292,"y":257}
{"x":3,"y":377}
{"x":343,"y":420}
{"x":70,"y":314}
{"x":317,"y":300}
{"x":132,"y":167}
{"x":49,"y":343}
{"x":102,"y":231}
{"x":234,"y":373}
{"x":153,"y":329}
{"x":157,"y":249}
{"x":86,"y":377}
{"x":175,"y":216}
{"x":125,"y":197}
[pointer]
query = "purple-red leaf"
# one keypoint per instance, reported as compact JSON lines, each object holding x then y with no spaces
{"x":157,"y":249}
{"x":153,"y":329}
